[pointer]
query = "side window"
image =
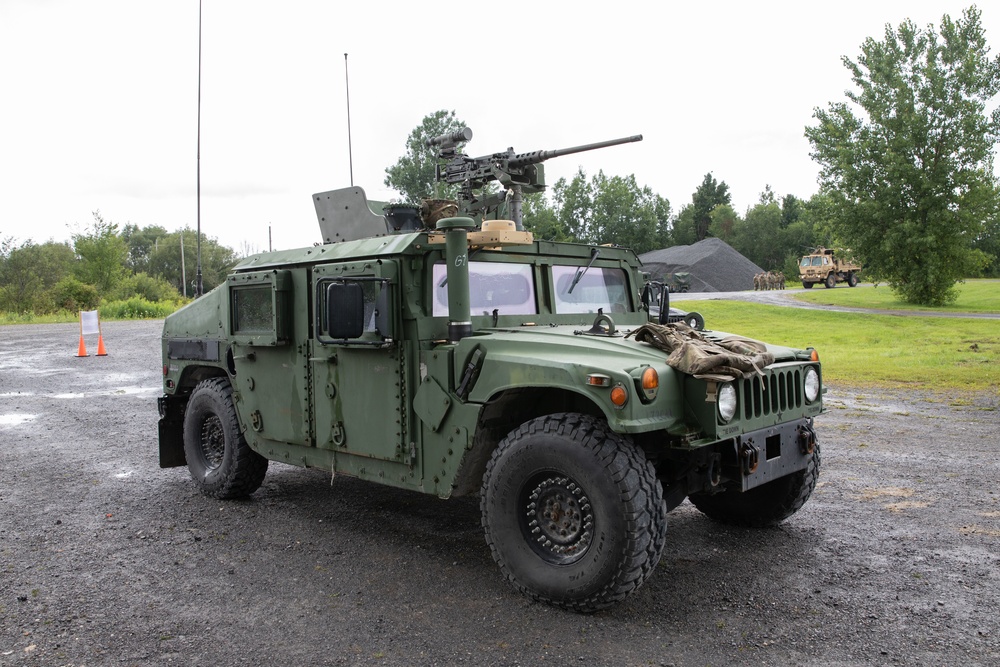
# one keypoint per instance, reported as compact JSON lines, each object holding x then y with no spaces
{"x":353,"y":311}
{"x":582,"y":290}
{"x":260,"y":312}
{"x":505,"y":287}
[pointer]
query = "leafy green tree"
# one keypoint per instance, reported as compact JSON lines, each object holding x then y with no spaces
{"x":684,"y":230}
{"x":706,"y":197}
{"x":758,"y":238}
{"x":28,"y":273}
{"x":725,"y":223}
{"x":573,"y":202}
{"x":141,"y":242}
{"x":72,"y":295}
{"x":216,"y":260}
{"x":413,"y":174}
{"x":103,"y":253}
{"x":791,"y":210}
{"x":908,"y":159}
{"x":612,"y":209}
{"x":541,"y":219}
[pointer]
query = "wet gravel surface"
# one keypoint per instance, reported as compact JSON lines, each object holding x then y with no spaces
{"x":108,"y":560}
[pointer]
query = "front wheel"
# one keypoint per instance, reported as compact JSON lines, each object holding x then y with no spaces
{"x":807,"y":285}
{"x":573,"y":512}
{"x":219,"y":459}
{"x":831,"y":281}
{"x":765,"y":505}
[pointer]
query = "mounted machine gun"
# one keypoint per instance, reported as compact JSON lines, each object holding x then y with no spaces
{"x":518,"y":173}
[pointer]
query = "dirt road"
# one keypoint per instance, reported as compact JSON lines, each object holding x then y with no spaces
{"x":107,"y":559}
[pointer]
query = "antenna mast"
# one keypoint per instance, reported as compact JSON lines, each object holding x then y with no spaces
{"x":198,"y":291}
{"x":350,"y":154}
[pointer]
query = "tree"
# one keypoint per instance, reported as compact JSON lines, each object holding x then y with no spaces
{"x":908,"y":159}
{"x":216,"y":260}
{"x":141,"y":243}
{"x":413,"y":174}
{"x":29,"y":272}
{"x":103,"y":254}
{"x":612,"y":210}
{"x":709,"y":194}
{"x":541,"y":219}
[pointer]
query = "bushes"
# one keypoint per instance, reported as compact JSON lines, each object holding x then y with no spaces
{"x":72,"y":295}
{"x":137,"y":308}
{"x":145,"y":287}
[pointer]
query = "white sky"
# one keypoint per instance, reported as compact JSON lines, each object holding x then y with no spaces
{"x":98,"y":99}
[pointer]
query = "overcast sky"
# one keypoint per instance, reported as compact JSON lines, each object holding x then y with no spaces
{"x":100,"y":99}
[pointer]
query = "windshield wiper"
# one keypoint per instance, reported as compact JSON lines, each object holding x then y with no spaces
{"x":594,"y":253}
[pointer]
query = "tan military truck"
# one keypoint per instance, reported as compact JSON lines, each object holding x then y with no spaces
{"x":823,"y":266}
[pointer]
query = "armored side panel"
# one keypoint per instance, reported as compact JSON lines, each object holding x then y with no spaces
{"x":344,"y":215}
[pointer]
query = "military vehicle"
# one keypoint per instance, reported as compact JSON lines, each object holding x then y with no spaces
{"x":461,"y":356}
{"x":823,"y":266}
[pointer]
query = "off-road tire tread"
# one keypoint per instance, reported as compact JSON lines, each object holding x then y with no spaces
{"x":246,"y":470}
{"x":643,"y":493}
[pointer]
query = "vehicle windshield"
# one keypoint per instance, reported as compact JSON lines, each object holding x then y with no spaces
{"x":596,"y":288}
{"x":505,"y":287}
{"x":509,"y":289}
{"x":819,"y":261}
{"x":805,"y":261}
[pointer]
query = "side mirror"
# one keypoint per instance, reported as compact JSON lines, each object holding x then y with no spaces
{"x":345,"y":310}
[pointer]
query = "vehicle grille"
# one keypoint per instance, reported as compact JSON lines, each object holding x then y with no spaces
{"x":776,"y":392}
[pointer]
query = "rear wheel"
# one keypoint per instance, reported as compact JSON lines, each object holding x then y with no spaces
{"x":852,"y":280}
{"x":766,"y":505}
{"x":219,"y":459}
{"x":573,"y":512}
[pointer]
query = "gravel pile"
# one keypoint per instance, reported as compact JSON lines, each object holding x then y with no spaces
{"x":713,"y":264}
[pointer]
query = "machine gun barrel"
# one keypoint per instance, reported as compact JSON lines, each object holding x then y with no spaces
{"x":535,"y":157}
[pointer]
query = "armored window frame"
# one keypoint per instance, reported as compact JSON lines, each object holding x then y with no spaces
{"x":259,"y":308}
{"x":376,"y":318}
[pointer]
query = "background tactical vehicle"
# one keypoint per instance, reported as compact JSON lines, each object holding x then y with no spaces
{"x":823,"y":266}
{"x":460,"y":356}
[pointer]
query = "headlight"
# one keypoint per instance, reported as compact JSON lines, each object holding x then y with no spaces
{"x":727,"y":402}
{"x":811,"y":385}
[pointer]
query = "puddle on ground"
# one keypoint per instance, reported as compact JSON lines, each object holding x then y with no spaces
{"x":15,"y":419}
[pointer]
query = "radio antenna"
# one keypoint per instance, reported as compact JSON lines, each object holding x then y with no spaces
{"x":347,"y":87}
{"x":198,"y":291}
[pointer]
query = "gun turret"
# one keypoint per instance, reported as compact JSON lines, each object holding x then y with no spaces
{"x":516,"y":172}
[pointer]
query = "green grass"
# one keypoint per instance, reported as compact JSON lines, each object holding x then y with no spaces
{"x":974,"y":296}
{"x":130,"y":309}
{"x":867,"y":350}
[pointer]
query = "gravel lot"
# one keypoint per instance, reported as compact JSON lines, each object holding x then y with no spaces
{"x":109,"y":560}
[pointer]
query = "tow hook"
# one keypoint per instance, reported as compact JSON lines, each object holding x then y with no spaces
{"x":749,"y":458}
{"x":807,"y":439}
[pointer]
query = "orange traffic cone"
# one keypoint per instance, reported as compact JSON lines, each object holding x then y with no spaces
{"x":101,"y":352}
{"x":83,"y":348}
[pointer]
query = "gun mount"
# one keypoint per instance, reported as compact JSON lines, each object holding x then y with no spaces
{"x":518,"y":173}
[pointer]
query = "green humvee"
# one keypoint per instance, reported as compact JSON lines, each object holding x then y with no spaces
{"x":470,"y":358}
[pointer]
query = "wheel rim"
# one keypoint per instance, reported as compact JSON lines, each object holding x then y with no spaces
{"x":213,"y":441}
{"x":556,"y":518}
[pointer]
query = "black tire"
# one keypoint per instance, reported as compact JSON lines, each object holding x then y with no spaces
{"x":763,"y":506}
{"x":852,"y":280}
{"x":219,"y":459}
{"x":573,"y":512}
{"x":695,"y":321}
{"x":807,"y":285}
{"x":831,"y":281}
